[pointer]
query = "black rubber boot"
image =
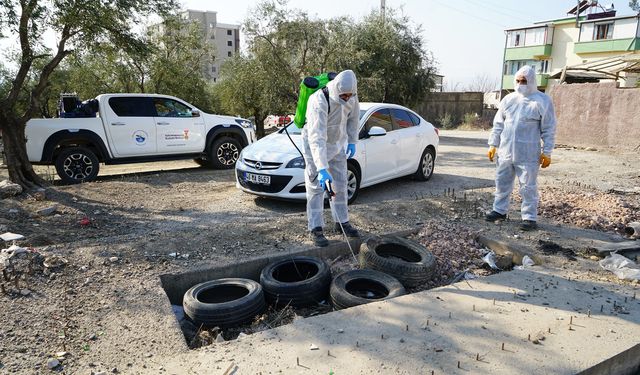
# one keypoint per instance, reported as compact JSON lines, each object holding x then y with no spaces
{"x":318,"y":237}
{"x":494,"y":216}
{"x":528,"y":225}
{"x":349,"y":230}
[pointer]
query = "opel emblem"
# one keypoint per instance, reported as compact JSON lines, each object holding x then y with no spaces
{"x":258,"y":165}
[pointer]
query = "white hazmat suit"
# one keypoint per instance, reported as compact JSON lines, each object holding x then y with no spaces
{"x":524,"y":117}
{"x":325,"y":137}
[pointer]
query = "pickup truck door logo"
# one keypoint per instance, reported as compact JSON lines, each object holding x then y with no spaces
{"x":140,"y":137}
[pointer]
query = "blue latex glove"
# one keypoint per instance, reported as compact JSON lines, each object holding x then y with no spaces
{"x":323,"y":176}
{"x":351,"y":150}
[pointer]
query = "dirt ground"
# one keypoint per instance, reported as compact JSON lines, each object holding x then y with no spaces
{"x":117,"y":235}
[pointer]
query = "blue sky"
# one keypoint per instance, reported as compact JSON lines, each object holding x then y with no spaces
{"x":465,"y":36}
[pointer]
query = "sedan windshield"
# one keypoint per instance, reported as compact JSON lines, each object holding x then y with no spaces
{"x":293,"y":129}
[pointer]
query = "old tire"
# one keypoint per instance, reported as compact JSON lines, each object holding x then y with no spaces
{"x":358,"y":287}
{"x":426,"y":165}
{"x":407,"y":261}
{"x":77,"y":164}
{"x":224,"y":152}
{"x":224,"y":302}
{"x":298,"y":281}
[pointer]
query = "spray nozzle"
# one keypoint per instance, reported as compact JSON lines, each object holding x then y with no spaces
{"x":329,"y":188}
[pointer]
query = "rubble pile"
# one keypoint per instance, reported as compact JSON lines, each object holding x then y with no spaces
{"x":16,"y":264}
{"x":596,"y":210}
{"x":455,"y":250}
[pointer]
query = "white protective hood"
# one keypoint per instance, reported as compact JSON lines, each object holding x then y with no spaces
{"x":344,"y":83}
{"x":530,"y":74}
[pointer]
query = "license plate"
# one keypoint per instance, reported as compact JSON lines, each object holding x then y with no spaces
{"x":257,"y":178}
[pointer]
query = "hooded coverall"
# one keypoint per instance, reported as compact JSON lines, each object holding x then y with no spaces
{"x":325,"y":137}
{"x":523,"y":119}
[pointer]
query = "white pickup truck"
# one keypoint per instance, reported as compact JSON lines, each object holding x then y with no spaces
{"x":133,"y":128}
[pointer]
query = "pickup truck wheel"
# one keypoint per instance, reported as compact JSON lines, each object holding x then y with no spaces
{"x":224,"y":152}
{"x":77,"y":164}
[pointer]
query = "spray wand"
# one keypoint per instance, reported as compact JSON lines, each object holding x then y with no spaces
{"x":332,"y":194}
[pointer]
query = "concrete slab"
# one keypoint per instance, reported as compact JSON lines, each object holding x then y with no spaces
{"x":580,"y":326}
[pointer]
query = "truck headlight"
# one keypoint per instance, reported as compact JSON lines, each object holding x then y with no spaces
{"x":296,"y":163}
{"x":245,"y":123}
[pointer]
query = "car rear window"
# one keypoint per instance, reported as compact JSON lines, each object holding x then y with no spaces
{"x":401,"y":118}
{"x":414,"y":118}
{"x":132,"y":106}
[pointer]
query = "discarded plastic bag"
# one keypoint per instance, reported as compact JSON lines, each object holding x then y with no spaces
{"x":526,"y":263}
{"x":490,"y":259}
{"x":621,"y":266}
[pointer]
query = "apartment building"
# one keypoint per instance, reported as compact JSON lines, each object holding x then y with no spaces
{"x":224,"y":37}
{"x":592,"y":45}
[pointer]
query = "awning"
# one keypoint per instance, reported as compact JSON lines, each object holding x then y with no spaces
{"x":608,"y":68}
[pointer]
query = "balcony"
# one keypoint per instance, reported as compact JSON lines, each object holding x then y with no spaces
{"x":607,"y":45}
{"x":528,"y":53}
{"x":542,"y":80}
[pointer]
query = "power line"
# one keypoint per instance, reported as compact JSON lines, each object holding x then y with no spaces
{"x":470,"y":14}
{"x":494,"y":8}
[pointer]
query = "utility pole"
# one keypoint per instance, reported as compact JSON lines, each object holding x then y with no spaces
{"x":578,"y":14}
{"x":382,"y":9}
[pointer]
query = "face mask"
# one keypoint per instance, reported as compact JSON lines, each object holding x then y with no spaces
{"x":521,"y":89}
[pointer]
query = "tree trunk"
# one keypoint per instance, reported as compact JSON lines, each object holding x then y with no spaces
{"x":259,"y":119}
{"x":15,"y":148}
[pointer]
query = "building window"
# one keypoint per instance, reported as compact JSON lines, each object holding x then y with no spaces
{"x":214,"y":79}
{"x":229,"y":32}
{"x":213,"y":69}
{"x":230,"y":43}
{"x":229,"y":53}
{"x":603,"y":31}
{"x":515,"y":38}
{"x":213,"y":36}
{"x":212,"y":25}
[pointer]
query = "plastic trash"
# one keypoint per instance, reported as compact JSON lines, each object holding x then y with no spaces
{"x":490,"y":259}
{"x":526,"y":263}
{"x":11,"y":237}
{"x":622,"y":267}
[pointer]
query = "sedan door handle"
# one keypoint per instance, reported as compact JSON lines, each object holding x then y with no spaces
{"x":118,"y":124}
{"x":419,"y":135}
{"x":393,"y":142}
{"x":163,"y":123}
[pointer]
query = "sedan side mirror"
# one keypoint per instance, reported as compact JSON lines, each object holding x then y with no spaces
{"x":377,"y":131}
{"x":195,"y":113}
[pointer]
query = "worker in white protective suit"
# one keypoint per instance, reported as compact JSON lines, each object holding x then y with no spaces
{"x":524,"y":118}
{"x":329,"y":138}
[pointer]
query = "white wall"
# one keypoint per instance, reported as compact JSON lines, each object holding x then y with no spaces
{"x":622,"y":29}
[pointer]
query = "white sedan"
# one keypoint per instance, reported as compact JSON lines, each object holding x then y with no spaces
{"x":394,"y":141}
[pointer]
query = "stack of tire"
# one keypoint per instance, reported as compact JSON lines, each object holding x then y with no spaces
{"x":389,"y":265}
{"x":297,"y":281}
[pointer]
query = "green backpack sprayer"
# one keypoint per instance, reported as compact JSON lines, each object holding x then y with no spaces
{"x":308,"y":86}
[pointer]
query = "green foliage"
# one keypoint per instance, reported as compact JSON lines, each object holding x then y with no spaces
{"x":470,"y":118}
{"x":446,"y":121}
{"x":389,"y":58}
{"x":245,"y":91}
{"x":634,"y":5}
{"x":172,"y":65}
{"x":285,"y":45}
